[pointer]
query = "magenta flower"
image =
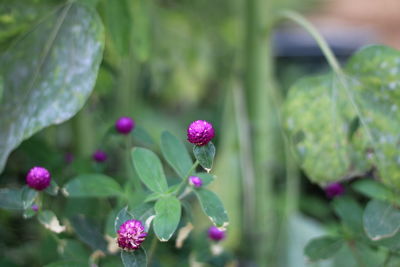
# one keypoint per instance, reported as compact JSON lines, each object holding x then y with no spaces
{"x":216,"y":234}
{"x":334,"y":190}
{"x":68,"y":157}
{"x":99,"y":156}
{"x":124,"y":125}
{"x":131,"y":234}
{"x":35,"y":207}
{"x":195,"y":181}
{"x":38,"y":178}
{"x":200,"y":132}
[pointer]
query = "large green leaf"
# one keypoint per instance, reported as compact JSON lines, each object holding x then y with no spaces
{"x":11,"y":199}
{"x":50,"y":221}
{"x":49,"y":74}
{"x":149,"y":168}
{"x":205,"y":155}
{"x":122,"y":217}
{"x":174,"y":151}
{"x":168,"y":215}
{"x":323,"y":247}
{"x":350,"y":213}
{"x":92,"y":185}
{"x":321,"y":113}
{"x":213,"y":207}
{"x":137,"y":258}
{"x":381,"y":220}
{"x":88,"y":232}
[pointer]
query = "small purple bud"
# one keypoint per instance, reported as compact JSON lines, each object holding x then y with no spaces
{"x":99,"y":156}
{"x":131,"y":234}
{"x":124,"y":125}
{"x":334,"y":190}
{"x":216,"y":234}
{"x":38,"y":178}
{"x":200,"y":132}
{"x":195,"y":181}
{"x":35,"y":207}
{"x":68,"y":158}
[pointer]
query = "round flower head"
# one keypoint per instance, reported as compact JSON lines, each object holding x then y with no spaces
{"x":124,"y":125}
{"x":99,"y":156}
{"x":195,"y":181}
{"x":131,"y":234}
{"x":38,"y":178}
{"x":35,"y":207}
{"x":334,"y":190}
{"x":216,"y":234}
{"x":200,"y":132}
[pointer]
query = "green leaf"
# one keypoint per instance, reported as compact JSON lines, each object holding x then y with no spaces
{"x":153,"y":197}
{"x":323,"y":247}
{"x":205,"y":177}
{"x":49,"y":74}
{"x":373,"y":189}
{"x":88,"y":233}
{"x":52,"y":189}
{"x":92,"y":185}
{"x":49,"y":220}
{"x":350,"y":213}
{"x":122,"y":217}
{"x":205,"y":155}
{"x":213,"y":207}
{"x":174,"y":151}
{"x":67,"y":263}
{"x":28,"y":197}
{"x":168,"y":215}
{"x":144,"y":213}
{"x":11,"y":199}
{"x":141,"y":135}
{"x":381,"y":220}
{"x":137,"y":258}
{"x":149,"y":168}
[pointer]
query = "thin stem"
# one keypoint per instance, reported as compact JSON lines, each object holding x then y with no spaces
{"x":129,"y":168}
{"x":326,"y":50}
{"x":388,"y":258}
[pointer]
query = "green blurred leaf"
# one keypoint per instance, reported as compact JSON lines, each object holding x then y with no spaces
{"x":28,"y":213}
{"x":168,"y":215}
{"x":92,"y":185}
{"x":52,"y":189}
{"x":205,"y":155}
{"x":149,"y":168}
{"x":174,"y":151}
{"x":212,"y":207}
{"x":141,"y":135}
{"x":28,"y":197}
{"x":122,"y":217}
{"x":49,"y":220}
{"x":323,"y":247}
{"x":350,"y":213}
{"x":373,"y":189}
{"x":67,"y":263}
{"x":381,"y":220}
{"x":153,"y":197}
{"x":11,"y":199}
{"x":88,"y":232}
{"x":137,"y":258}
{"x":71,"y":249}
{"x":49,"y":74}
{"x":144,"y":213}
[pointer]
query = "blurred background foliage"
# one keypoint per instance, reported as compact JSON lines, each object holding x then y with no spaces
{"x":167,"y":63}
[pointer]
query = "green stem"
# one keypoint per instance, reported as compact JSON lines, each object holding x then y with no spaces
{"x":152,"y":249}
{"x":129,"y":168}
{"x":326,"y":50}
{"x":388,"y":258}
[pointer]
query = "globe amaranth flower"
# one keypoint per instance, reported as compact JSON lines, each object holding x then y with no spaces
{"x":124,"y":125}
{"x":200,"y":132}
{"x":35,"y":207}
{"x":99,"y":156}
{"x":131,"y":234}
{"x":195,"y":181}
{"x":334,"y":190}
{"x":215,"y":233}
{"x":38,"y":178}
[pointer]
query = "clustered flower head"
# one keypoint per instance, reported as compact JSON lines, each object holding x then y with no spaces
{"x":195,"y":181}
{"x":200,"y":132}
{"x":38,"y":178}
{"x":99,"y":156}
{"x":216,"y":234}
{"x":124,"y":125}
{"x":334,"y":190}
{"x":35,"y":207}
{"x":131,"y":234}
